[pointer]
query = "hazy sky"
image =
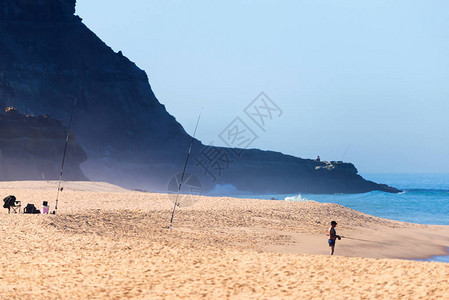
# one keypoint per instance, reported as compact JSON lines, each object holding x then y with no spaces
{"x":360,"y":81}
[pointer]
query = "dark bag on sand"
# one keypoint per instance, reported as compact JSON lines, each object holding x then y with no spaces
{"x":31,"y":209}
{"x":9,"y":201}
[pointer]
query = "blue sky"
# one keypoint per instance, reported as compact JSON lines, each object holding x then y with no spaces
{"x":359,"y":81}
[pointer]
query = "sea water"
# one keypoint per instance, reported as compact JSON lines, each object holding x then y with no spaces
{"x":424,"y":200}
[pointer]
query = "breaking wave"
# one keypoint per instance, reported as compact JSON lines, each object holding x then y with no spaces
{"x":296,"y":198}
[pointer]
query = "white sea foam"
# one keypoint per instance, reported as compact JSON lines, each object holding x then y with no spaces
{"x":296,"y":198}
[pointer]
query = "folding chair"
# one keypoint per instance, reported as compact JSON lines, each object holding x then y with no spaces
{"x":17,"y":207}
{"x":11,"y":202}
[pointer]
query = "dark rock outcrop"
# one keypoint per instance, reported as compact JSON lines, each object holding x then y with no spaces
{"x":48,"y":57}
{"x":32,"y":148}
{"x":37,"y":10}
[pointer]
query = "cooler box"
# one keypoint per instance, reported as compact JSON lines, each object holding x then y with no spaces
{"x":45,"y":209}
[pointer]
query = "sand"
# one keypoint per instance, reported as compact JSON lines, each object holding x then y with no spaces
{"x":110,"y":243}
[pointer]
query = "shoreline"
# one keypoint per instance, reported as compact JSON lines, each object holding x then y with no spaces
{"x":431,"y":258}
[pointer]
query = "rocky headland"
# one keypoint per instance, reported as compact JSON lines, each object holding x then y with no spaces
{"x":32,"y":148}
{"x":49,"y":58}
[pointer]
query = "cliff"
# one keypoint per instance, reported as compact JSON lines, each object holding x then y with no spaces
{"x":49,"y":57}
{"x":32,"y":148}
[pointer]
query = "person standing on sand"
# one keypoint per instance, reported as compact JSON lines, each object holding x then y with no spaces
{"x":332,"y":237}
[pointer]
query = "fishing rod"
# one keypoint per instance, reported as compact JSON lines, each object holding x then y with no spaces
{"x":63,"y":156}
{"x":346,"y":237}
{"x":344,"y":153}
{"x":184,"y":171}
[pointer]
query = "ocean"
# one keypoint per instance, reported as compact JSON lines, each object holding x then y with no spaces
{"x":424,"y":200}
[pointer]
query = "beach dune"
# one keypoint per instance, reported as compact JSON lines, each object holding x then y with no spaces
{"x":107,"y":242}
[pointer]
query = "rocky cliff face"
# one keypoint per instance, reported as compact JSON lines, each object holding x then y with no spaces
{"x":49,"y":58}
{"x":37,"y":10}
{"x":32,"y":148}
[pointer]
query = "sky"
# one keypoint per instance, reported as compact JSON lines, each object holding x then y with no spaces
{"x":365,"y":82}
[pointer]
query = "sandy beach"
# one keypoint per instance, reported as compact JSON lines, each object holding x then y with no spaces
{"x":107,"y":242}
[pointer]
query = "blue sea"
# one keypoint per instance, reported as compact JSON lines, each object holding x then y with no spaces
{"x":425,"y":199}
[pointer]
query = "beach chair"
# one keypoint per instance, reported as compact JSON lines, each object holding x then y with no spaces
{"x":11,"y":202}
{"x":17,"y":207}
